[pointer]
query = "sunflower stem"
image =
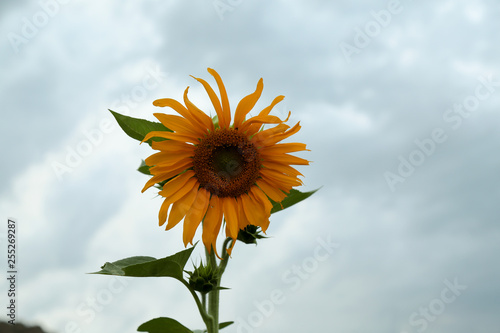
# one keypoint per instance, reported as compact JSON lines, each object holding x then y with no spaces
{"x":213,"y":296}
{"x":207,"y":319}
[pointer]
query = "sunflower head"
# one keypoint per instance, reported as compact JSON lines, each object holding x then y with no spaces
{"x":226,"y":169}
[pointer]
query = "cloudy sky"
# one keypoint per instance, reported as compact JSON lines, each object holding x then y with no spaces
{"x":399,"y":103}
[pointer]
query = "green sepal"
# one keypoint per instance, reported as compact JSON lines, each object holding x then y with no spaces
{"x":250,"y":234}
{"x":163,"y":325}
{"x":295,"y":196}
{"x":221,"y":326}
{"x":172,"y":266}
{"x":138,"y":128}
{"x":225,"y":324}
{"x":144,"y":168}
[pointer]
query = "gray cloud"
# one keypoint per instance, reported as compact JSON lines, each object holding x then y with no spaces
{"x":359,"y":119}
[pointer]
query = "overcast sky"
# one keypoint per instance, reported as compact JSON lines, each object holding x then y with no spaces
{"x":399,"y":103}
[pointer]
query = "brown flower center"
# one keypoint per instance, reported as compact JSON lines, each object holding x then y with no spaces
{"x":226,"y":163}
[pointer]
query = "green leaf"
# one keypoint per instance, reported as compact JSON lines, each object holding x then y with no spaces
{"x":144,"y":168}
{"x":171,"y":266}
{"x":116,"y":268}
{"x":292,"y":198}
{"x":163,"y":325}
{"x":138,"y":128}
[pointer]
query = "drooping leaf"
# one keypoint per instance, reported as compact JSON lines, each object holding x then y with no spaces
{"x":138,"y":128}
{"x":172,"y":266}
{"x":163,"y":325}
{"x":295,"y":196}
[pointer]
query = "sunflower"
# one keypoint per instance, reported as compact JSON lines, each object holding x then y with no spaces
{"x":214,"y":170}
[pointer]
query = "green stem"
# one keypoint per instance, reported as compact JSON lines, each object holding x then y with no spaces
{"x":207,"y":319}
{"x":213,"y":296}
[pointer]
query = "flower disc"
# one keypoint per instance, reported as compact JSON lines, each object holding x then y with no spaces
{"x":226,"y":163}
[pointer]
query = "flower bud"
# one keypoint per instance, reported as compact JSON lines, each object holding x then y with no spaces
{"x":204,"y":278}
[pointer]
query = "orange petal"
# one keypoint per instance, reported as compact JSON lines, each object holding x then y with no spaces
{"x":243,"y":221}
{"x":203,"y":119}
{"x":166,"y":158}
{"x":195,"y":215}
{"x":280,"y":167}
{"x":285,"y":158}
{"x":181,"y":207}
{"x":259,"y":138}
{"x":254,"y":212}
{"x":282,"y":148}
{"x":246,"y":104}
{"x":271,"y":191}
{"x":260,"y":120}
{"x":176,"y":185}
{"x":255,"y":127}
{"x":230,"y":208}
{"x":273,"y":139}
{"x":172,"y":146}
{"x":164,"y":173}
{"x":215,"y":102}
{"x":163,"y":213}
{"x":171,"y":136}
{"x":181,"y":109}
{"x":179,"y":124}
{"x":226,"y":119}
{"x":212,"y":224}
{"x":279,"y":178}
{"x":264,"y":205}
